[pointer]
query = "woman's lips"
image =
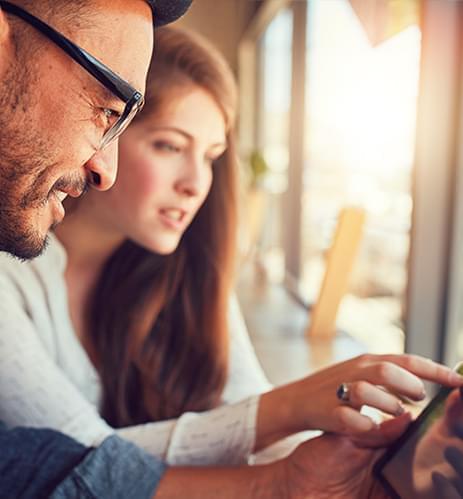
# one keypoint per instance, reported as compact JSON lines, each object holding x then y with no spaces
{"x":173,"y":217}
{"x":173,"y":213}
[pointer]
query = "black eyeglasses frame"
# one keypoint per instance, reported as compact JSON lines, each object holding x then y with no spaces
{"x":132,"y":98}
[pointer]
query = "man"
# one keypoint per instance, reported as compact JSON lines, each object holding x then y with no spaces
{"x":56,"y":115}
{"x":61,"y":114}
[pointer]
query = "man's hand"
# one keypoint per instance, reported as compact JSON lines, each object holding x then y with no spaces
{"x":327,"y":467}
{"x":334,"y":467}
{"x":444,"y":486}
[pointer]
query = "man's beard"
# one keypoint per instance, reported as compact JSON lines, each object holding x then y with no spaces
{"x":25,"y":194}
{"x":24,"y":161}
{"x":19,"y":200}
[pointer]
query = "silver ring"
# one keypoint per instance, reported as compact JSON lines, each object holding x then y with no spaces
{"x":343,"y":392}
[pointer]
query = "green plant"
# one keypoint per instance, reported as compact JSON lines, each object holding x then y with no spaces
{"x":258,"y":168}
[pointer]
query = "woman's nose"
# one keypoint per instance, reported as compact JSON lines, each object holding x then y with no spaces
{"x":102,"y":167}
{"x":192,"y":179}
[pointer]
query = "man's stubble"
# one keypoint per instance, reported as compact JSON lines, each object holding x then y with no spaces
{"x":24,"y":156}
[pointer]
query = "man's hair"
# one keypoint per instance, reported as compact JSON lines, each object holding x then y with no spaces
{"x":58,"y":13}
{"x":51,"y":8}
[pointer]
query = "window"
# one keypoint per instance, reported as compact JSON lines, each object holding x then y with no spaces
{"x":360,"y":129}
{"x":274,"y":94}
{"x":381,"y":106}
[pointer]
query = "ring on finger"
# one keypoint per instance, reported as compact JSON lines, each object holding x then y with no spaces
{"x":343,"y":392}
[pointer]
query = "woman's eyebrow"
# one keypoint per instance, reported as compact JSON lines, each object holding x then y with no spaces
{"x":171,"y":129}
{"x":185,"y":134}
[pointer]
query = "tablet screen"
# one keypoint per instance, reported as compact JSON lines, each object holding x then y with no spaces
{"x":427,"y":462}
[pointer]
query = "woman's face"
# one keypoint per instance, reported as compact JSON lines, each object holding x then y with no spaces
{"x":165,"y":171}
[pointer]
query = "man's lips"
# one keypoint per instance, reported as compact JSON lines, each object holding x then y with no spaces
{"x":61,"y":195}
{"x":64,"y":192}
{"x":74,"y":192}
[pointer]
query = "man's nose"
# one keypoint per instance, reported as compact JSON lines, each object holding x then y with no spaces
{"x":102,"y":168}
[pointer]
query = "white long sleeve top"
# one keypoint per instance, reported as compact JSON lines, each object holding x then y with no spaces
{"x":47,"y":379}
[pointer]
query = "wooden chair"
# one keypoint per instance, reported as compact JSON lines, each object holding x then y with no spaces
{"x":339,"y":265}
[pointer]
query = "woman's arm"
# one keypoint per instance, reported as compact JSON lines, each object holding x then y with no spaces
{"x":379,"y":381}
{"x":36,"y":392}
{"x":222,"y":436}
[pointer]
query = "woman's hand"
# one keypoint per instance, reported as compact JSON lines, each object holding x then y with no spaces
{"x":379,"y":381}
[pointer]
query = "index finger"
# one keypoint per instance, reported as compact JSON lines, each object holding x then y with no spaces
{"x":426,"y":369}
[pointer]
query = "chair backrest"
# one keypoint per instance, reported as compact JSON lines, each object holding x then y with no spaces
{"x":340,"y":261}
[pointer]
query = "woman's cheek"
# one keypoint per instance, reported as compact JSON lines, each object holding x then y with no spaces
{"x":137,"y":167}
{"x":207,"y":186}
{"x":147,"y":181}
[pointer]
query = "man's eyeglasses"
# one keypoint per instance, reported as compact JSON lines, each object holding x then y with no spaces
{"x":133,"y":99}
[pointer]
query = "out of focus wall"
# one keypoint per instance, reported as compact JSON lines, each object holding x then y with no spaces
{"x":222,"y":21}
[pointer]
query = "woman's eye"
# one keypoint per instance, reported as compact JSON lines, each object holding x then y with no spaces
{"x":163,"y":146}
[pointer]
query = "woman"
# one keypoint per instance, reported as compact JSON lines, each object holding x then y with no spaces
{"x":126,"y":313}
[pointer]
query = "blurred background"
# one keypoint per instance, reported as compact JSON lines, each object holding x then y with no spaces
{"x":352,"y":195}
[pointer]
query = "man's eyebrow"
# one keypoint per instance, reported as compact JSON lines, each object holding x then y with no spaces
{"x":110,"y":98}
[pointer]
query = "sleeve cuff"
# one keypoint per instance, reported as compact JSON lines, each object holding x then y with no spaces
{"x":116,"y":469}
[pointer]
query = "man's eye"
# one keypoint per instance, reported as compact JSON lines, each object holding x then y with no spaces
{"x":111,"y":116}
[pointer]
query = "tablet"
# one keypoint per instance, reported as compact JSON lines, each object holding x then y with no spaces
{"x":426,"y":462}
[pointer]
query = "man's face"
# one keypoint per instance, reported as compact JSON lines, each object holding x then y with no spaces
{"x":52,"y":118}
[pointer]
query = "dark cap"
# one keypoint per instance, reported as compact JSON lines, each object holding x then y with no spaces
{"x":168,"y":11}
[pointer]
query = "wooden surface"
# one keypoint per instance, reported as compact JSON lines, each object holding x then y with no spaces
{"x":277,"y":323}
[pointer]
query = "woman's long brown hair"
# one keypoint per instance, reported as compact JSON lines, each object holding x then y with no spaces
{"x":159,"y":323}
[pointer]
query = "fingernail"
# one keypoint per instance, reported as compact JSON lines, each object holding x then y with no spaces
{"x":455,"y":377}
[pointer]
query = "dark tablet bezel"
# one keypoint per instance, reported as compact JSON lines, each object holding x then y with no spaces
{"x":390,"y":453}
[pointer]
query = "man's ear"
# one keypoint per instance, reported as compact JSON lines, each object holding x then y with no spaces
{"x":5,"y":39}
{"x":4,"y":27}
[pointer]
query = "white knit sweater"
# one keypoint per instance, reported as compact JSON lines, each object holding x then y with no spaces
{"x":47,"y":379}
